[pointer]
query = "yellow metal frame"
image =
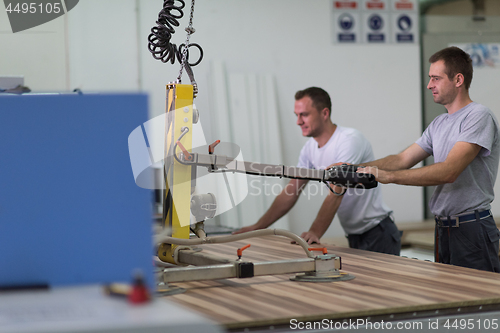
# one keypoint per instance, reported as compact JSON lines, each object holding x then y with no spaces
{"x":178,"y":180}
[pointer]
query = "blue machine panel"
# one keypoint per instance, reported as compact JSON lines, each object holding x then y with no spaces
{"x":70,"y":211}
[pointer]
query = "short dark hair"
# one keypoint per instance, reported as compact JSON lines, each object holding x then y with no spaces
{"x":319,"y":97}
{"x":456,"y":61}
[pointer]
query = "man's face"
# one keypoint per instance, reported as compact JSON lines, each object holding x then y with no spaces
{"x":310,"y":120}
{"x":443,"y":89}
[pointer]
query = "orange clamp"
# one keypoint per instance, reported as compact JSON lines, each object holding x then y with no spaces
{"x":211,"y":148}
{"x":325,"y":251}
{"x":239,"y":252}
{"x":187,"y":155}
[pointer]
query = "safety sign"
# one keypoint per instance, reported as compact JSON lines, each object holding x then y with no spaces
{"x":375,"y":21}
{"x":376,"y":27}
{"x":347,"y":27}
{"x":405,"y":28}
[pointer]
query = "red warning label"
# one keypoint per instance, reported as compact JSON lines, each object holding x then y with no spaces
{"x":404,"y":4}
{"x":375,"y":4}
{"x":346,"y":4}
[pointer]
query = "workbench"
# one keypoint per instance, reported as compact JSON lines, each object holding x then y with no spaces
{"x":385,"y":287}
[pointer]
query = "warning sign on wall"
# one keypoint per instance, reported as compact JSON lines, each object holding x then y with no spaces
{"x":405,"y":27}
{"x":347,"y":27}
{"x":375,"y":21}
{"x":376,"y":27}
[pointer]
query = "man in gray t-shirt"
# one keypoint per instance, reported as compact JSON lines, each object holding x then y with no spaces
{"x":366,"y":220}
{"x":473,"y":188}
{"x":465,"y":144}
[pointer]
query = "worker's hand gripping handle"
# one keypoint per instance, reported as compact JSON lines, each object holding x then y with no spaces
{"x":346,"y":176}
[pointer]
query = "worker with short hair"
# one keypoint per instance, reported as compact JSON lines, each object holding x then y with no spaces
{"x":365,"y":218}
{"x":465,"y":145}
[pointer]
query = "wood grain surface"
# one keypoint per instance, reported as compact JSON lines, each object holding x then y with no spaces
{"x":383,"y":284}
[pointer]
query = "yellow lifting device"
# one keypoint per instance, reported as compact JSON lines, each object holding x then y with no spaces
{"x":178,"y":182}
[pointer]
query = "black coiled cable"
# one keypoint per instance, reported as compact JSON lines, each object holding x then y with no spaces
{"x":159,"y":40}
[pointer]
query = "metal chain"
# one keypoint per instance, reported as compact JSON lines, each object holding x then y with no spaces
{"x":190,"y":30}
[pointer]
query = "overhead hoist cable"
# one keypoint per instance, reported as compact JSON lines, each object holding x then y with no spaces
{"x":160,"y":44}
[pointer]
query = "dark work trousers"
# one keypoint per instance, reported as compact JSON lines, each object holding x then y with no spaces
{"x":384,"y":238}
{"x":472,"y":244}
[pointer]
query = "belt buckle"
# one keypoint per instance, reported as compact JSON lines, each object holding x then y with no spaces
{"x":438,"y":221}
{"x":457,"y":222}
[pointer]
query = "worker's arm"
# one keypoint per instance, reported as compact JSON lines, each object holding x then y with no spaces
{"x":324,"y":218}
{"x":404,"y":160}
{"x":280,"y":206}
{"x":459,"y":157}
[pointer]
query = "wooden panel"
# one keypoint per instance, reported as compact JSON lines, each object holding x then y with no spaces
{"x":384,"y":284}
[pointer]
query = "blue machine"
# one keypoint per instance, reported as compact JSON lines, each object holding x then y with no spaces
{"x":70,"y":211}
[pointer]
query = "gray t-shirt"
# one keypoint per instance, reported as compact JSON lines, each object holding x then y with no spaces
{"x":473,"y":189}
{"x":360,"y":209}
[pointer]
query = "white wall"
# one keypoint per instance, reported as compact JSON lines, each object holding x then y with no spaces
{"x":103,"y":51}
{"x":483,"y":91}
{"x":374,"y":88}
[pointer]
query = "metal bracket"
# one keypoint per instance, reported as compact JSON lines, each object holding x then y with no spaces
{"x":321,"y":268}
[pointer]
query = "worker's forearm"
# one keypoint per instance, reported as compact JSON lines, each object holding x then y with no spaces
{"x":407,"y":159}
{"x":390,"y":163}
{"x":280,"y":206}
{"x":431,"y":175}
{"x":325,"y":215}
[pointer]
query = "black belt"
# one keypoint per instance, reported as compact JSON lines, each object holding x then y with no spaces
{"x":454,"y":221}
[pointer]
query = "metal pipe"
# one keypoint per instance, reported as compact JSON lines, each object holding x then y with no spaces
{"x":184,"y":274}
{"x":190,"y":257}
{"x":161,"y":238}
{"x":226,"y":271}
{"x":201,"y":233}
{"x":284,"y":267}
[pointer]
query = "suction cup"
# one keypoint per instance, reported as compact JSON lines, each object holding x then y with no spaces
{"x":166,"y":290}
{"x":322,"y":277}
